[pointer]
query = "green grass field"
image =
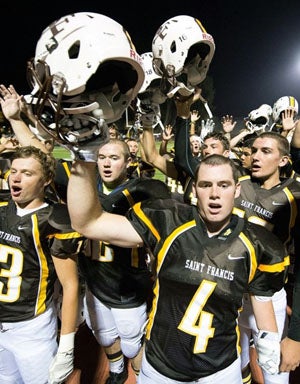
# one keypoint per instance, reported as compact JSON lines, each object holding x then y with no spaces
{"x":62,"y":153}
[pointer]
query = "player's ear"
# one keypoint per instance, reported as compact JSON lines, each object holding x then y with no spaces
{"x":194,"y":189}
{"x":47,"y":183}
{"x":128,"y":161}
{"x":284,"y":161}
{"x":226,"y":153}
{"x":237,"y":190}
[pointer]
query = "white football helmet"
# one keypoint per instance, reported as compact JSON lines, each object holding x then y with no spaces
{"x":150,"y":95}
{"x":283,"y":103}
{"x":150,"y":74}
{"x":85,"y":69}
{"x":182,"y":50}
{"x":259,"y":119}
{"x":151,"y":88}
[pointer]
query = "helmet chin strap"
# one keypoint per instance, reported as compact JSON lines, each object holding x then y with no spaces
{"x":182,"y":89}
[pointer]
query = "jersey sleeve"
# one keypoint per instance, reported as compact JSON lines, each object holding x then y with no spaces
{"x":155,"y":219}
{"x":141,"y":220}
{"x":64,"y":241}
{"x":270,"y":267}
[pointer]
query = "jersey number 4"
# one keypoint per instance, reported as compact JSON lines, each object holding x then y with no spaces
{"x":197,"y":322}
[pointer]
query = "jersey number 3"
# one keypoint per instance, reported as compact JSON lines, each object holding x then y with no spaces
{"x":10,"y":291}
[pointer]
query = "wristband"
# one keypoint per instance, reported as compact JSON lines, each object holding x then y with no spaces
{"x":268,"y":351}
{"x":66,"y":342}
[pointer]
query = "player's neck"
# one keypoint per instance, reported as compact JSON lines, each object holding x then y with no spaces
{"x":270,"y":182}
{"x":214,"y":229}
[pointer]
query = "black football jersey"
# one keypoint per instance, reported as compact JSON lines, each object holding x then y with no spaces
{"x":117,"y":276}
{"x":139,"y":168}
{"x":62,"y":174}
{"x":200,"y":281}
{"x":27,"y":273}
{"x":276,"y":208}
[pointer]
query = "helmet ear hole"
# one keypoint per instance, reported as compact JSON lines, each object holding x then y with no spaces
{"x":74,"y":50}
{"x":173,"y":47}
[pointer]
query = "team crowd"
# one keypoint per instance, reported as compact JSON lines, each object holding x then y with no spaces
{"x":194,"y":279}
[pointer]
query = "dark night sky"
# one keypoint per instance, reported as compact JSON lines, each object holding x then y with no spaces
{"x":257,"y":58}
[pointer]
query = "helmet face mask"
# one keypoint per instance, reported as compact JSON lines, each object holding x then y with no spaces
{"x":85,"y":69}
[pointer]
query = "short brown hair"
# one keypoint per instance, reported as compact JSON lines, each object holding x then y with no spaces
{"x":217,"y":159}
{"x":282,"y":142}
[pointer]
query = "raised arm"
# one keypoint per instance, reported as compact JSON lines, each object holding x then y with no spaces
{"x":63,"y":363}
{"x":87,"y":215}
{"x":184,"y":158}
{"x":167,"y":135}
{"x":295,"y":142}
{"x":12,"y":104}
{"x":152,"y":155}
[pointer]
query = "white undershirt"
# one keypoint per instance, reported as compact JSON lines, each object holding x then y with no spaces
{"x":24,"y":211}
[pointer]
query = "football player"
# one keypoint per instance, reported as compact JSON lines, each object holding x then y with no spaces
{"x":272,"y":201}
{"x":118,"y":279}
{"x":37,"y":245}
{"x":204,"y":256}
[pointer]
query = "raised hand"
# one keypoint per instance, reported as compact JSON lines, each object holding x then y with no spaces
{"x":228,"y":124}
{"x":206,"y":128}
{"x":11,"y":102}
{"x":288,"y":122}
{"x":167,"y":133}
